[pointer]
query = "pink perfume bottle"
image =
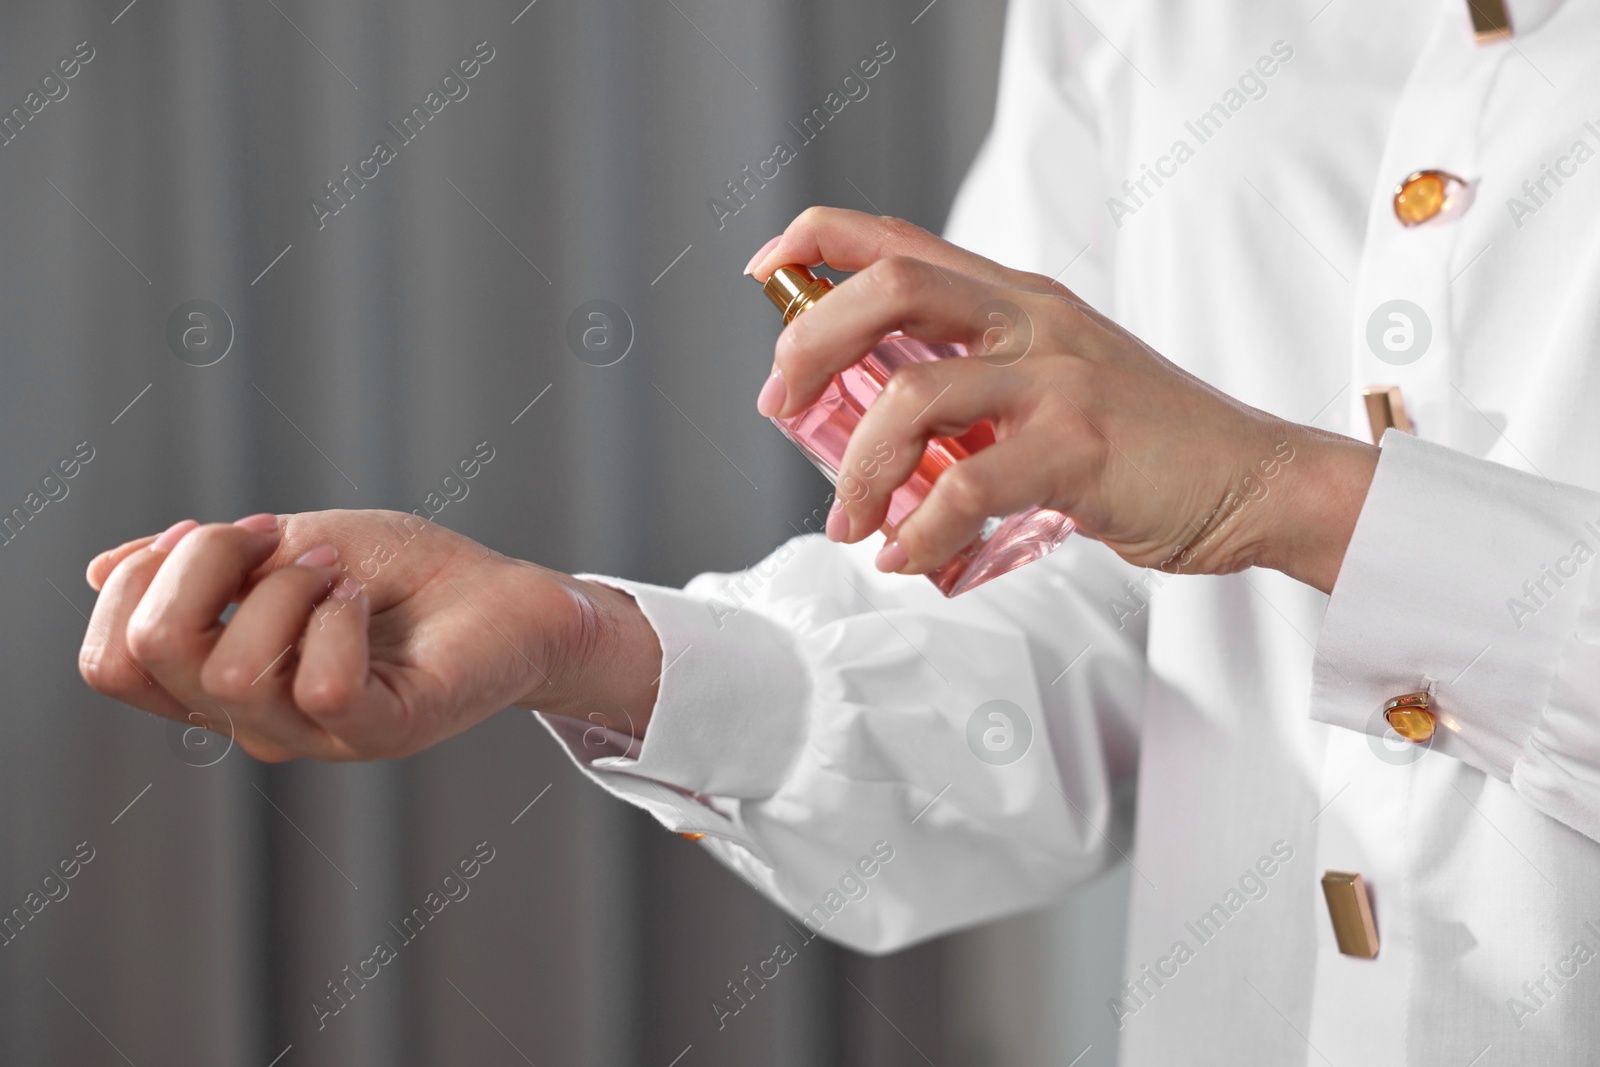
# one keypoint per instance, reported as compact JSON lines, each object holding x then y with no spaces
{"x":822,"y":431}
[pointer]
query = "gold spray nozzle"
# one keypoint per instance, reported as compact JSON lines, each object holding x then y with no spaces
{"x":793,"y":288}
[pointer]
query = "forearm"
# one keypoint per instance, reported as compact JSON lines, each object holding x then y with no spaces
{"x":612,"y":676}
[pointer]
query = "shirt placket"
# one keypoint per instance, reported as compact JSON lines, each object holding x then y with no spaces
{"x":1401,"y":335}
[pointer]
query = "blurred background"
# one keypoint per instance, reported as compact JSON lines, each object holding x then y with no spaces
{"x":349,"y":360}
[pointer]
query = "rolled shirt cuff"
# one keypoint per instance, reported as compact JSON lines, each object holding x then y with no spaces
{"x":730,"y":715}
{"x":1463,"y":577}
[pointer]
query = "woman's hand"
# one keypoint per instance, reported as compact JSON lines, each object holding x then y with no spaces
{"x":358,"y":635}
{"x":1165,"y":470}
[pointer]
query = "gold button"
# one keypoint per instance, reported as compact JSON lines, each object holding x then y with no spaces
{"x":1410,"y":717}
{"x":1350,"y":908}
{"x":1425,"y":195}
{"x":1386,"y":410}
{"x":1490,"y":22}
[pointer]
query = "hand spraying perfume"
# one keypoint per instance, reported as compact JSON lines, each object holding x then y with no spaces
{"x":822,"y":431}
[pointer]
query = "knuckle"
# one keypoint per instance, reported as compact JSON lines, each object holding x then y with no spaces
{"x":912,"y":386}
{"x":323,"y":696}
{"x":898,"y":232}
{"x":899,"y":279}
{"x":103,"y":670}
{"x":152,"y":641}
{"x":1077,"y":315}
{"x":1064,"y":295}
{"x":815,"y":217}
{"x":965,"y":493}
{"x":226,"y":681}
{"x":1046,"y":286}
{"x":1060,"y":307}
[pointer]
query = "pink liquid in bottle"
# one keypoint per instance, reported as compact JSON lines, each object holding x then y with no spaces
{"x":823,"y":430}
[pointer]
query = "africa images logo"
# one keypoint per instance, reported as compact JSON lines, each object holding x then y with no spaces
{"x":453,"y":88}
{"x":853,"y":88}
{"x":999,"y":732}
{"x":199,"y":333}
{"x":1399,"y":332}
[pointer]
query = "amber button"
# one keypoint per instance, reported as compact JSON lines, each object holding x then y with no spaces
{"x":1424,"y":195}
{"x":1410,"y":717}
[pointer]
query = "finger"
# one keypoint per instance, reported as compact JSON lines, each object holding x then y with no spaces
{"x":334,"y":686}
{"x":250,"y":663}
{"x":176,"y":624}
{"x":890,"y":446}
{"x":266,"y":751}
{"x":388,"y":553}
{"x":852,"y":241}
{"x":893,"y":294}
{"x":105,"y":660}
{"x":1016,"y":473}
{"x":253,"y":664}
{"x":101,"y":566}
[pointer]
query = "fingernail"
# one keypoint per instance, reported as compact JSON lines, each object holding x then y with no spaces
{"x":773,"y":395}
{"x":172,"y":535}
{"x":838,"y":527}
{"x":762,"y":253}
{"x":891,"y":557}
{"x":348,"y":589}
{"x":266,"y":522}
{"x":321,"y":556}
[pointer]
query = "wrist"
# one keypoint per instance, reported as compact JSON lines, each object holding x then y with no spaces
{"x":608,"y":668}
{"x":1318,"y":504}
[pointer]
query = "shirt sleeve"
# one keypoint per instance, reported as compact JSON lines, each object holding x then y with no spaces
{"x":883,"y":762}
{"x":879,"y":760}
{"x":1475,"y":582}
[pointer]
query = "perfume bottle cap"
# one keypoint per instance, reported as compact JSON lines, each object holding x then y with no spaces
{"x":794,"y":288}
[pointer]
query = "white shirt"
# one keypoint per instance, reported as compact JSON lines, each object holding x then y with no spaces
{"x":812,"y":709}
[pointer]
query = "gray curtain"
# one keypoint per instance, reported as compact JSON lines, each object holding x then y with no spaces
{"x":370,"y":350}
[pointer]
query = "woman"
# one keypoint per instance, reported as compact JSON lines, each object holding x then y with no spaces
{"x":1221,"y":180}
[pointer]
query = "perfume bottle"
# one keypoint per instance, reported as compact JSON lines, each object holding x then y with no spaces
{"x":822,"y":431}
